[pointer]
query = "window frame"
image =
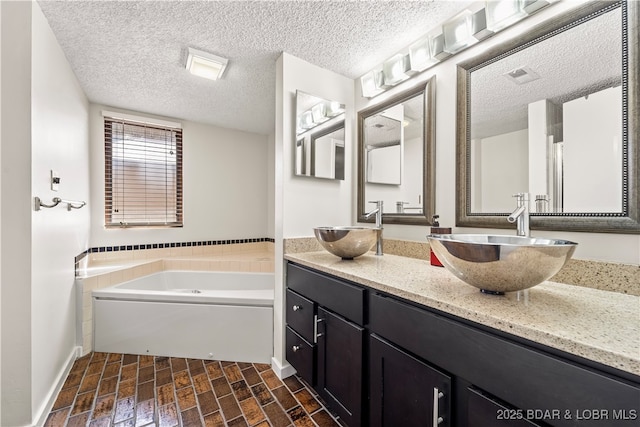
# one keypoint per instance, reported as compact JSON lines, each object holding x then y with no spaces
{"x":175,"y":130}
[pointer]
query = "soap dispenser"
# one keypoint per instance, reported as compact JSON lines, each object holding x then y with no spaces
{"x":436,"y":229}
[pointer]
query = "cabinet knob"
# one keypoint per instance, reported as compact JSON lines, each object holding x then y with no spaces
{"x":295,"y":348}
{"x":297,"y":307}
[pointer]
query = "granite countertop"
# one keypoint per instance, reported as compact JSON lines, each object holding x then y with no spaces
{"x":598,"y":325}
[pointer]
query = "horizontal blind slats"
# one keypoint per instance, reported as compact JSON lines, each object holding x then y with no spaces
{"x":143,"y":174}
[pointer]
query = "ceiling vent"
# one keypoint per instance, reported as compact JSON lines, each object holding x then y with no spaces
{"x":522,"y":75}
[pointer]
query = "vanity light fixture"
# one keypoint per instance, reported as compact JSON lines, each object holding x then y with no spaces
{"x":437,"y":47}
{"x":318,"y":114}
{"x":205,"y":64}
{"x":334,"y":108}
{"x":480,"y":21}
{"x":479,"y":25}
{"x":503,"y":13}
{"x":420,"y":56}
{"x":458,"y":32}
{"x":395,"y":69}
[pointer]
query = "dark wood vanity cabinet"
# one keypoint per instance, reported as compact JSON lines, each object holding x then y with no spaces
{"x":405,"y":391}
{"x":325,"y":339}
{"x":500,"y":381}
{"x":379,"y":360}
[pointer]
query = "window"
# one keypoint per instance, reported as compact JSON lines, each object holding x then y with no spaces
{"x":143,"y":174}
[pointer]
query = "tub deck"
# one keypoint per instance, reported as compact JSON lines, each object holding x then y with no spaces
{"x":195,"y":287}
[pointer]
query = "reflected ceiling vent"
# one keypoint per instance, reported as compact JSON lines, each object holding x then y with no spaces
{"x":522,"y":75}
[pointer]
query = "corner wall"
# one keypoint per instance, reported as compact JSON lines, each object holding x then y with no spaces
{"x":225,"y":186}
{"x":15,"y":217}
{"x":45,"y":126}
{"x":59,"y":141}
{"x":302,"y":203}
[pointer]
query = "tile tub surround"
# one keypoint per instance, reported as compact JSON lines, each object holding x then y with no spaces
{"x":605,"y":276}
{"x":112,"y":389}
{"x":111,"y":268}
{"x":593,"y":324}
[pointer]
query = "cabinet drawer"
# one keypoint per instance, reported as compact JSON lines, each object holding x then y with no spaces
{"x":300,"y":315}
{"x":482,"y":411}
{"x":525,"y":377}
{"x":301,"y":355}
{"x":338,"y":296}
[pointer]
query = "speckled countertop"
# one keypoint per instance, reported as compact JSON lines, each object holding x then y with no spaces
{"x":598,"y":325}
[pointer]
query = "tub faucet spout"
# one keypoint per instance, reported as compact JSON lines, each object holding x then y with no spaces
{"x":521,"y":215}
{"x":378,"y":213}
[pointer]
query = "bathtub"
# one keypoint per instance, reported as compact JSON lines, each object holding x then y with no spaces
{"x":192,"y":314}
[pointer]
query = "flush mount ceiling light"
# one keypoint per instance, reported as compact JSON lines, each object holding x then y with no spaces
{"x":479,"y":21}
{"x":205,"y":64}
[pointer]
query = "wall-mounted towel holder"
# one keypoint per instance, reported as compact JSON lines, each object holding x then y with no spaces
{"x":71,"y":204}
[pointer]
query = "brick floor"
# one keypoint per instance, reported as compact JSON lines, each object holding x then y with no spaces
{"x":124,"y":390}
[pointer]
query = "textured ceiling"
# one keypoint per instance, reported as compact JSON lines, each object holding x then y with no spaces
{"x":131,"y":54}
{"x":577,"y":62}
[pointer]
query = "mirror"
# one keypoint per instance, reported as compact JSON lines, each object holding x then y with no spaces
{"x":396,"y":161}
{"x":320,"y":137}
{"x":384,"y":143}
{"x":553,"y":114}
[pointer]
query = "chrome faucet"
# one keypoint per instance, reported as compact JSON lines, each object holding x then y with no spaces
{"x":521,"y":214}
{"x":378,"y":212}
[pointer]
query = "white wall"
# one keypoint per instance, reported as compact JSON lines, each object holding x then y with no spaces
{"x":16,"y":213}
{"x":503,"y":162}
{"x":302,"y":203}
{"x":623,"y":248}
{"x":0,"y":212}
{"x":45,"y":126}
{"x":593,"y":152}
{"x":226,"y":186}
{"x":59,"y":141}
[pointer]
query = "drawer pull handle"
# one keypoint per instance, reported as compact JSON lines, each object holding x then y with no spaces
{"x":317,"y":334}
{"x":295,"y":348}
{"x":297,"y":307}
{"x":437,"y":419}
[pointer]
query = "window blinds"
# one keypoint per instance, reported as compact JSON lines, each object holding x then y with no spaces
{"x":143,"y":174}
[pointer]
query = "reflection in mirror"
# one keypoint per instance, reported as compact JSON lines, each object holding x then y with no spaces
{"x":320,"y":138}
{"x":395,"y":157}
{"x":550,"y":116}
{"x":385,"y":143}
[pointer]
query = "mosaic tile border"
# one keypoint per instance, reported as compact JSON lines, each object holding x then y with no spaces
{"x":146,"y":246}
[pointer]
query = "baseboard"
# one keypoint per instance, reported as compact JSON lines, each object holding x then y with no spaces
{"x":42,"y":414}
{"x":282,"y":371}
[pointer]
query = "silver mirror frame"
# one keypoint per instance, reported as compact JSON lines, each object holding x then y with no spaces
{"x":428,"y":164}
{"x":628,"y":221}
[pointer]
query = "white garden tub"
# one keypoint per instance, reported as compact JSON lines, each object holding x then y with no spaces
{"x":194,"y":314}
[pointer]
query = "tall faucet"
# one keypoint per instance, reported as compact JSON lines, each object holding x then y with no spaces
{"x":521,"y":214}
{"x":378,"y":212}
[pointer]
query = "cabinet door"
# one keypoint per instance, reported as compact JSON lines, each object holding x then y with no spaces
{"x":339,"y":371}
{"x":405,"y":391}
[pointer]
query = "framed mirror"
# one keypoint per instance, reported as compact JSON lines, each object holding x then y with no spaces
{"x":320,"y":138}
{"x":396,"y":157}
{"x":554,"y":114}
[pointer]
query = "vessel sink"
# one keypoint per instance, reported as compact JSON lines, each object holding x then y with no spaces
{"x":347,"y":242}
{"x":497,"y":264}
